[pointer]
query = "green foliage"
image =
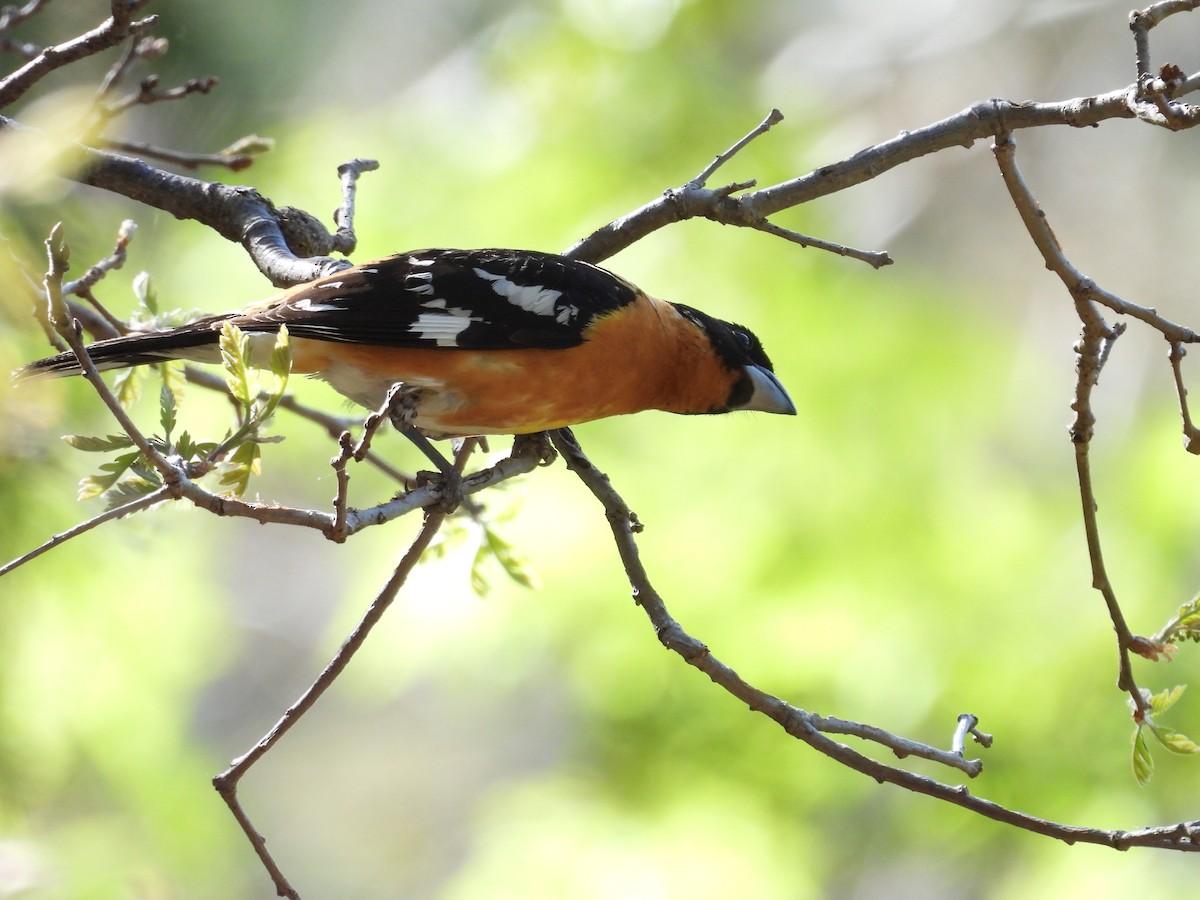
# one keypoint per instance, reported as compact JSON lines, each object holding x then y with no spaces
{"x":1185,"y":626}
{"x":127,"y":386}
{"x":514,"y":564}
{"x":245,"y":461}
{"x":98,"y":444}
{"x":110,"y":472}
{"x":1143,"y":761}
{"x":235,"y":360}
{"x":478,"y":526}
{"x":240,"y":454}
{"x":131,"y":475}
{"x":905,"y":548}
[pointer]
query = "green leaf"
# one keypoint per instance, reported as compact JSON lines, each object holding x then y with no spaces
{"x":512,"y":562}
{"x":244,"y":463}
{"x":1164,"y":700}
{"x":1143,"y":762}
{"x":173,"y":378}
{"x":95,"y":485}
{"x":127,"y":386}
{"x":98,"y":444}
{"x":235,"y":359}
{"x":187,"y":447}
{"x":1185,"y":626}
{"x":451,"y":535}
{"x":166,"y":412}
{"x":141,"y":467}
{"x":184,"y":445}
{"x":281,"y":358}
{"x":1174,"y":741}
{"x":479,"y":584}
{"x":127,"y":490}
{"x":204,"y":449}
{"x":514,"y":565}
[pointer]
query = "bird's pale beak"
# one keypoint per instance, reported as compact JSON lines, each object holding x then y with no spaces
{"x":769,"y":395}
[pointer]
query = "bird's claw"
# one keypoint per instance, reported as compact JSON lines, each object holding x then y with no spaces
{"x":449,"y":486}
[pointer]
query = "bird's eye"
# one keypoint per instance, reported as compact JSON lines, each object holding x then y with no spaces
{"x":743,"y":337}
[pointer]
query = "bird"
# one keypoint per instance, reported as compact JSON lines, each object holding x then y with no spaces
{"x":484,"y":341}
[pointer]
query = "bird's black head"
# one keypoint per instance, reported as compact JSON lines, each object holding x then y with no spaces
{"x":756,"y":386}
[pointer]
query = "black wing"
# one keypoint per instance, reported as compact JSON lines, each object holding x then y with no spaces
{"x":472,"y":299}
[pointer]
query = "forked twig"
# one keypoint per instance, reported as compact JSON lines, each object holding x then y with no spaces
{"x":774,"y":117}
{"x":119,"y":26}
{"x":809,"y":728}
{"x":226,"y":783}
{"x":1092,"y":351}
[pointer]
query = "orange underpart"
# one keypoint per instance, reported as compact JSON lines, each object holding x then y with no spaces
{"x":643,"y":356}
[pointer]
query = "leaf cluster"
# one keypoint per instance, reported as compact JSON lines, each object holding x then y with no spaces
{"x":255,"y":395}
{"x":1176,"y":742}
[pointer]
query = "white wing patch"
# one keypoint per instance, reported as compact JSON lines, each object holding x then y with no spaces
{"x":442,"y":328}
{"x":309,"y":305}
{"x":419,"y":283}
{"x":531,"y":297}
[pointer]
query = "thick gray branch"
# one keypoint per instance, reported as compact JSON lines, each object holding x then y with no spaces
{"x":287,"y":244}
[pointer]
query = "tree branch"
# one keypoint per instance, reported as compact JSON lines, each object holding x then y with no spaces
{"x":809,"y":728}
{"x":119,"y":26}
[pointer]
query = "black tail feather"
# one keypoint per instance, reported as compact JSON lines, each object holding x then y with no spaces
{"x":144,"y":348}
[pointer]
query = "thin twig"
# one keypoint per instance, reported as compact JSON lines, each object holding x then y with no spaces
{"x":1092,"y":351}
{"x":12,"y":16}
{"x":1191,"y":435}
{"x":120,"y":25}
{"x":876,"y":258}
{"x":1141,"y":21}
{"x":344,"y":239}
{"x":622,"y":522}
{"x":351,"y":451}
{"x":140,"y":48}
{"x":968,"y":724}
{"x":521,"y":461}
{"x":69,"y":330}
{"x":226,"y":782}
{"x":234,"y":162}
{"x":342,"y":476}
{"x":118,"y":512}
{"x":149,"y":92}
{"x":900,"y":746}
{"x":1056,"y":260}
{"x":1087,"y":370}
{"x":97,"y":320}
{"x":110,"y":263}
{"x":774,"y":117}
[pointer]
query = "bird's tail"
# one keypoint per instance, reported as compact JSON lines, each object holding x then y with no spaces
{"x":197,"y":342}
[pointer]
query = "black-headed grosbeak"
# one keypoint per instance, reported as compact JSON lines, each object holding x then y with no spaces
{"x":487,"y":342}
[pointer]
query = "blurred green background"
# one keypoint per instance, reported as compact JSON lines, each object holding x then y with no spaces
{"x":906,"y":549}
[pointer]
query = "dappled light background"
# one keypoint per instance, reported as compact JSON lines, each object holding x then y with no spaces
{"x":908,"y":548}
